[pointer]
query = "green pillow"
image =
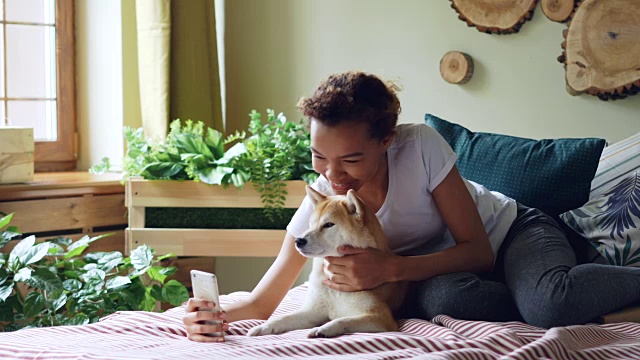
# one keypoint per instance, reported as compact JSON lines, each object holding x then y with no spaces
{"x":553,"y":175}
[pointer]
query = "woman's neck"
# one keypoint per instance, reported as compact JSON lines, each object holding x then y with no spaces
{"x":374,"y":192}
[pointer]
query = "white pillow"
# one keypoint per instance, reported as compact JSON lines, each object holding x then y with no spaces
{"x":616,"y":162}
{"x":611,"y":222}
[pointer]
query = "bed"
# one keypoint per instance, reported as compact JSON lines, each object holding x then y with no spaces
{"x":148,"y":335}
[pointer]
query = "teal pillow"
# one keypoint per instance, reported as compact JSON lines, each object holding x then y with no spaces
{"x":553,"y":175}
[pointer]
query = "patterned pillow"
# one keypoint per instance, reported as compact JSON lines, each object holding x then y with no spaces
{"x":617,"y":161}
{"x":611,"y":222}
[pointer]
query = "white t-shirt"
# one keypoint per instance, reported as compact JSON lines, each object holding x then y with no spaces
{"x":419,"y":159}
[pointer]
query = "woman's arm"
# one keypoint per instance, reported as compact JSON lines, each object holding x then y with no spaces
{"x":472,"y":252}
{"x":368,"y":268}
{"x":261,"y":303}
{"x":273,"y":286}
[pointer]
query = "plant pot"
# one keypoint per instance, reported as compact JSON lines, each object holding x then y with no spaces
{"x":245,"y":233}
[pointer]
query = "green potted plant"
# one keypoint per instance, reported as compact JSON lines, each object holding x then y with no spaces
{"x":55,"y":282}
{"x":223,"y":216}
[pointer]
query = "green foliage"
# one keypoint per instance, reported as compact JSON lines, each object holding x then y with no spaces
{"x":56,"y":283}
{"x":276,"y":150}
{"x":189,"y":152}
{"x":102,"y":167}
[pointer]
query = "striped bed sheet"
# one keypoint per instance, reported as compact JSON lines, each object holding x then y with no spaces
{"x":146,"y":335}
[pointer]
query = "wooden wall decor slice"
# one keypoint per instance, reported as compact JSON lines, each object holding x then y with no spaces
{"x":558,"y":10}
{"x":456,"y":67}
{"x":495,"y":16}
{"x":601,"y":51}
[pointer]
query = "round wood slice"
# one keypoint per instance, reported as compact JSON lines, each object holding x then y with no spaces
{"x":456,"y":67}
{"x":495,"y":16}
{"x":602,"y":49}
{"x":558,"y":10}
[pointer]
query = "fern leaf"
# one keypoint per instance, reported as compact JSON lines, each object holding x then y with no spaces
{"x":622,"y":203}
{"x":633,"y":261}
{"x":617,"y":254}
{"x":608,"y":256}
{"x":626,"y":250}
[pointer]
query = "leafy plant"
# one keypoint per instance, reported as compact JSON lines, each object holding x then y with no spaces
{"x":55,"y":283}
{"x":275,"y":151}
{"x":189,"y":152}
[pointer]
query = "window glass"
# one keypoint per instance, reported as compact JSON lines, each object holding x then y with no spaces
{"x":31,"y":11}
{"x":31,"y":69}
{"x":38,"y":114}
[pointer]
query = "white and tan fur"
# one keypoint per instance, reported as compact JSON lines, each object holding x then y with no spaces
{"x":330,"y":312}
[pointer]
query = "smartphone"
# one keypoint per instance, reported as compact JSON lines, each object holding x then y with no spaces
{"x":205,"y":286}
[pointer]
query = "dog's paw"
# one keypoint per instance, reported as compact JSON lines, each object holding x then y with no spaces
{"x":315,"y":333}
{"x":258,"y":330}
{"x":267,"y":328}
{"x":325,"y":331}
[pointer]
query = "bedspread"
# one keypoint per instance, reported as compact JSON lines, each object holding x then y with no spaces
{"x":146,"y":335}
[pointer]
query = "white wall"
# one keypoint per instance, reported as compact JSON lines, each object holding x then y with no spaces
{"x":99,"y":81}
{"x":107,"y":79}
{"x":278,"y":50}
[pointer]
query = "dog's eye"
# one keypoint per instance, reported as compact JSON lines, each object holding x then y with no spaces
{"x":327,"y":225}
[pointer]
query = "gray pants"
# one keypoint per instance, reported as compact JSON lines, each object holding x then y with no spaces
{"x":536,"y":279}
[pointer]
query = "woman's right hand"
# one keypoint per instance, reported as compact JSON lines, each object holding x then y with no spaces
{"x":196,"y":313}
{"x":264,"y":299}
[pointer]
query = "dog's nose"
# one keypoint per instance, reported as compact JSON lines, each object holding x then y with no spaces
{"x":300,"y":242}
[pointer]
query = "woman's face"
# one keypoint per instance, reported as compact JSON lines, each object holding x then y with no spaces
{"x":346,"y":155}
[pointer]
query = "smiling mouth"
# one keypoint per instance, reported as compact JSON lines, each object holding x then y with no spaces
{"x":341,"y":187}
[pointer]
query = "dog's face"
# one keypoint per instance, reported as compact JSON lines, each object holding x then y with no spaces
{"x":336,"y":220}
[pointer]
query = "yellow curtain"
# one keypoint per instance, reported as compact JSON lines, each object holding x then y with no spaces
{"x":195,"y":80}
{"x":178,"y":63}
{"x":153,"y":18}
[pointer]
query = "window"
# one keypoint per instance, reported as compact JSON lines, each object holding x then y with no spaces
{"x":37,"y":77}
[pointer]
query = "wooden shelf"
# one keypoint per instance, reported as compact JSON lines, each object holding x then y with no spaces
{"x":69,"y":204}
{"x":63,"y":184}
{"x":77,"y":203}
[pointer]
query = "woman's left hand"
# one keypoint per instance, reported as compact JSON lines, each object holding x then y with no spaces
{"x":358,"y":269}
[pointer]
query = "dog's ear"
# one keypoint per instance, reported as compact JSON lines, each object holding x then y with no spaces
{"x":355,"y":205}
{"x":314,"y":195}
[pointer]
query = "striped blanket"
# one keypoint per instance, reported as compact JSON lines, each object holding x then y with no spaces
{"x":145,"y":335}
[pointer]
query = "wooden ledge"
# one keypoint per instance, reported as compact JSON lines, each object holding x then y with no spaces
{"x":63,"y":184}
{"x":630,"y":314}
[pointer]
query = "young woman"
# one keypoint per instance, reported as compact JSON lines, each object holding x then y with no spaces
{"x":471,"y":253}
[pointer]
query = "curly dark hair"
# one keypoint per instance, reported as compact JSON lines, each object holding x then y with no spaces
{"x":355,"y":97}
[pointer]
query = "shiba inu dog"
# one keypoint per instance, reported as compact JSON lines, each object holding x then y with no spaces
{"x":339,"y":220}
